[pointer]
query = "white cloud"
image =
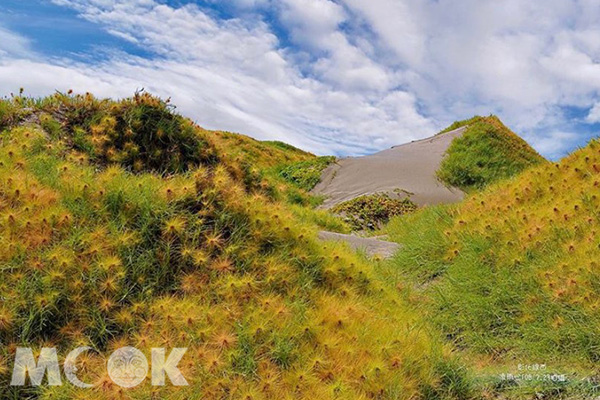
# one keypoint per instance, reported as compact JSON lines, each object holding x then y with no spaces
{"x":593,"y":116}
{"x":13,"y":45}
{"x":498,"y":54}
{"x":358,"y":76}
{"x":233,"y":75}
{"x":554,"y":144}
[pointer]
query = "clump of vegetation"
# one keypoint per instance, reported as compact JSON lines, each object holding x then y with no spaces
{"x":95,"y":251}
{"x":512,"y":273}
{"x":139,"y":133}
{"x":9,"y":113}
{"x":373,"y":210}
{"x":305,"y":174}
{"x":485,"y":153}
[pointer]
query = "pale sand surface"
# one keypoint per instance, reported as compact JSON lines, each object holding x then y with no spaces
{"x":409,"y":167}
{"x":371,"y":246}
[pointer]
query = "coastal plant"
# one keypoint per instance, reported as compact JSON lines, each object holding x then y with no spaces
{"x":485,"y":153}
{"x":369,"y":212}
{"x":114,"y":234}
{"x":510,"y":274}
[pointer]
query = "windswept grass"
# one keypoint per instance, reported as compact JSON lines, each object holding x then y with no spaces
{"x":305,"y":174}
{"x":185,"y":243}
{"x":511,"y":275}
{"x":487,"y":152}
{"x":459,"y":124}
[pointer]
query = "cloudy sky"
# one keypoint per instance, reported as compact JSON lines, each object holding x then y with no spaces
{"x":342,"y":77}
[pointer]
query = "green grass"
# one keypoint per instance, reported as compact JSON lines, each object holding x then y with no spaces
{"x":305,"y":174}
{"x":486,"y":153}
{"x":510,"y":275}
{"x":459,"y":124}
{"x":482,"y":305}
{"x":370,"y":212}
{"x":284,"y":146}
{"x":9,"y":113}
{"x":115,"y":230}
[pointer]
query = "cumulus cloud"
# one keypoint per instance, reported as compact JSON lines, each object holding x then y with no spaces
{"x":520,"y":59}
{"x":350,"y":76}
{"x":229,"y":75}
{"x":593,"y":116}
{"x":553,"y":144}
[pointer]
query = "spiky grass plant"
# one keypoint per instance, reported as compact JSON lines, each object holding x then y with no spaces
{"x":135,"y":227}
{"x":511,"y":273}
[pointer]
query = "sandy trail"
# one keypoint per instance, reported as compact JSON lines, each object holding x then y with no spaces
{"x":410,"y":168}
{"x":371,"y":246}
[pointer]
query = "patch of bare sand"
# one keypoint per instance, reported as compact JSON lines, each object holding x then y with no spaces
{"x":409,"y":168}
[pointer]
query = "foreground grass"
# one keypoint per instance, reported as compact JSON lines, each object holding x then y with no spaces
{"x":511,"y":276}
{"x":122,"y":223}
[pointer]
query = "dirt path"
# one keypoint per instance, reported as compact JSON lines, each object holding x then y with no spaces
{"x":372,"y":246}
{"x":409,"y":168}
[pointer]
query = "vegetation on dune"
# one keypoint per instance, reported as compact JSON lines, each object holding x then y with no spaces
{"x":108,"y":239}
{"x":139,"y":133}
{"x":485,"y":153}
{"x":371,"y":211}
{"x":459,"y":124}
{"x":512,"y":273}
{"x":305,"y":174}
{"x":268,"y":160}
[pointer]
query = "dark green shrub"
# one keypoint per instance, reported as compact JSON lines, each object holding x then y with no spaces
{"x":372,"y":211}
{"x":143,"y":133}
{"x":8,"y":114}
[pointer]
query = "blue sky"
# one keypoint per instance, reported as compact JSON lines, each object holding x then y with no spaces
{"x":344,"y":77}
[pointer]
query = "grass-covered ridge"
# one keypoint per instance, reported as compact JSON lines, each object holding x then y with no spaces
{"x":511,"y":275}
{"x":485,"y":153}
{"x":112,"y":234}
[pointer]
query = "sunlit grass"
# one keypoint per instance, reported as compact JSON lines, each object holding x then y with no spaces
{"x":511,"y":274}
{"x":111,"y":237}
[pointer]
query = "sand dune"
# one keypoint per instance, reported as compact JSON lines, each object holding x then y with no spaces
{"x":409,"y":168}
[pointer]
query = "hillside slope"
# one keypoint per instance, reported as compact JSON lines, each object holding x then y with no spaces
{"x":468,"y":155}
{"x":124,"y":224}
{"x":485,"y":153}
{"x":409,"y":168}
{"x":512,"y":274}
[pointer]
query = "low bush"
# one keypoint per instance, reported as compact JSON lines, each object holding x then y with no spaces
{"x":372,"y":211}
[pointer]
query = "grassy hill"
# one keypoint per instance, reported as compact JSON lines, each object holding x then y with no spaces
{"x":485,"y":153}
{"x":511,"y":275}
{"x":123,"y":223}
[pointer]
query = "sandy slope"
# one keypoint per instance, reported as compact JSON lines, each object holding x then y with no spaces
{"x":410,"y":167}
